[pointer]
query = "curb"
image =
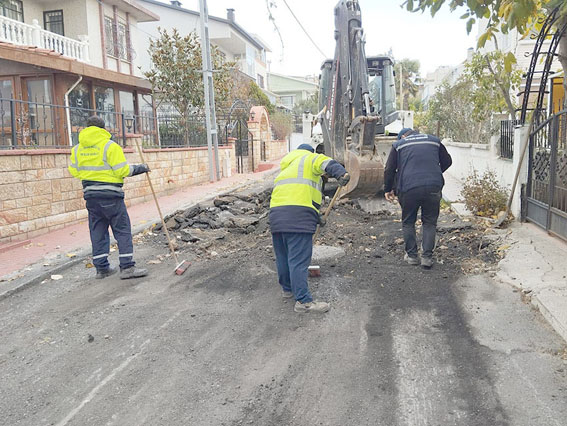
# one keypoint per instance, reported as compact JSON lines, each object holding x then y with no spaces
{"x":44,"y":275}
{"x":85,"y":253}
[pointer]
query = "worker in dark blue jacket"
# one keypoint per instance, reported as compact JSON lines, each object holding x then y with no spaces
{"x":414,"y":172}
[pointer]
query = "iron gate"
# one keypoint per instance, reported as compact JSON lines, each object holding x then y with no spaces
{"x":237,"y":128}
{"x":545,"y":196}
{"x":244,"y":147}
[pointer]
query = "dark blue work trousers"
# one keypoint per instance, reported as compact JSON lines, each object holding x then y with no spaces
{"x":293,"y":255}
{"x":428,"y":199}
{"x":105,"y":212}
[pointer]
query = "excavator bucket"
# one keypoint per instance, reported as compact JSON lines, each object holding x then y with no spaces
{"x":366,"y":174}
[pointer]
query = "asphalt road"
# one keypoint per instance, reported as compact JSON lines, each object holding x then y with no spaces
{"x":219,"y":346}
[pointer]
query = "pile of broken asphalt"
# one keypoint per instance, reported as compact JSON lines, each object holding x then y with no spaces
{"x":238,"y":222}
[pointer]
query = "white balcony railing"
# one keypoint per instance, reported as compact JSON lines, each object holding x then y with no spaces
{"x":15,"y":32}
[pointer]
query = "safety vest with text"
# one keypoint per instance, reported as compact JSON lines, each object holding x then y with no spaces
{"x":99,"y":162}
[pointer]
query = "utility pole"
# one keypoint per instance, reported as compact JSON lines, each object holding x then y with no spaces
{"x":210,"y":116}
{"x":401,"y":89}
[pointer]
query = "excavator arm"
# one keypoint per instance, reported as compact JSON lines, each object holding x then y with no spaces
{"x":349,"y":121}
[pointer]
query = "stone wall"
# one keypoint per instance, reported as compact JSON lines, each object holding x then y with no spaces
{"x":276,"y":149}
{"x":38,"y":195}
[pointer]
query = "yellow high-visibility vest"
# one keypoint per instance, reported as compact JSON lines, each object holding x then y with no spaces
{"x":97,"y":158}
{"x":299,"y":182}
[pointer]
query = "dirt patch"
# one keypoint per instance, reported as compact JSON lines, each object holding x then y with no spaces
{"x":366,"y":230}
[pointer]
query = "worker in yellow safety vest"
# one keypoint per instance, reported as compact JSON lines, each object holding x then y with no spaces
{"x":101,"y":165}
{"x":294,"y":215}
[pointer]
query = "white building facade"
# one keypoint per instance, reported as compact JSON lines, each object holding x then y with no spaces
{"x":238,"y":45}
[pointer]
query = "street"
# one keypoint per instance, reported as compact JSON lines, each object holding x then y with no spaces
{"x":219,"y":346}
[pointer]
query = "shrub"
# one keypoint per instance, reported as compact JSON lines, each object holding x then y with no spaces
{"x":484,"y":196}
{"x":282,"y":124}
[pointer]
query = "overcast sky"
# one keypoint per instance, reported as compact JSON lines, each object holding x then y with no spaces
{"x":434,"y":42}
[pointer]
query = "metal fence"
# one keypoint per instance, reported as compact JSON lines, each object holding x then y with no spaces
{"x":175,"y":130}
{"x":35,"y":125}
{"x":506,"y":140}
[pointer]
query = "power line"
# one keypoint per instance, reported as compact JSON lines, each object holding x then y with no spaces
{"x":304,"y":30}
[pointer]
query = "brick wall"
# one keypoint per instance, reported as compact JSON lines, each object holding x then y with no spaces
{"x":276,"y":149}
{"x":38,"y":195}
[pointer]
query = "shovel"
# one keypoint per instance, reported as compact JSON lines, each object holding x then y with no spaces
{"x":331,"y":204}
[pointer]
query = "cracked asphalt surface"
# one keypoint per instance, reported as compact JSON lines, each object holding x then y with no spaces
{"x":219,"y":346}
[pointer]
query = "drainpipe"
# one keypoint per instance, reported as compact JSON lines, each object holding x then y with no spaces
{"x":68,"y":115}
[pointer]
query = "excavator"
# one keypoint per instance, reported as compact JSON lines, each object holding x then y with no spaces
{"x":356,"y":103}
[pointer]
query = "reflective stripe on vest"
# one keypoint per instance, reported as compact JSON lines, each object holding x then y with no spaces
{"x":417,"y":143}
{"x":300,"y":179}
{"x":103,"y":188}
{"x":105,"y":165}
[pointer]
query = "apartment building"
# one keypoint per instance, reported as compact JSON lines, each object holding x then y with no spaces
{"x":61,"y":60}
{"x":235,"y":43}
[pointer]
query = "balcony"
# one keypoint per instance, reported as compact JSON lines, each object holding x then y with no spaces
{"x":20,"y":34}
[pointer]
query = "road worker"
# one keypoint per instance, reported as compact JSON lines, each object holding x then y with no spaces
{"x":414,"y":172}
{"x":294,"y":215}
{"x":100,"y":164}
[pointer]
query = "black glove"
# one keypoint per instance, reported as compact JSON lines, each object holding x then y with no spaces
{"x":344,"y":179}
{"x":138,"y":169}
{"x":322,"y":220}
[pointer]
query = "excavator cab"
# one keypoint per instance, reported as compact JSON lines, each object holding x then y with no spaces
{"x":382,"y":90}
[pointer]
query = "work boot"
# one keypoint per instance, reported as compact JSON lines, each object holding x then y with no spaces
{"x":133,"y":272}
{"x":103,"y":273}
{"x":287,"y":294}
{"x":411,"y":260}
{"x":427,"y":262}
{"x":311,"y":307}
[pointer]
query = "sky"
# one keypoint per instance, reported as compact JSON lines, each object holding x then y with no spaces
{"x":438,"y":41}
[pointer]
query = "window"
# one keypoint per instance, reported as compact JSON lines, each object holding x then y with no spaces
{"x":122,"y":42}
{"x":6,"y":93}
{"x":105,"y":106}
{"x":116,"y":35}
{"x":39,"y":90}
{"x":126,"y":102}
{"x":53,"y":21}
{"x":13,"y":9}
{"x":6,"y":89}
{"x":250,"y":61}
{"x":260,"y":80}
{"x":39,"y":114}
{"x":287,"y":101}
{"x":109,"y":36}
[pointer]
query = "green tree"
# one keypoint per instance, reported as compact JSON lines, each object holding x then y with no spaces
{"x":410,"y":73}
{"x":310,"y":104}
{"x":503,"y":16}
{"x":492,"y":82}
{"x":176,"y":75}
{"x":257,"y":97}
{"x":453,"y":112}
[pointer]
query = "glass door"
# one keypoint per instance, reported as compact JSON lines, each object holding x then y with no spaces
{"x":37,"y":120}
{"x":6,"y":107}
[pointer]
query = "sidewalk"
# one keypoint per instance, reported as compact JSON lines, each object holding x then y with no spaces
{"x":534,"y":263}
{"x":71,"y":243}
